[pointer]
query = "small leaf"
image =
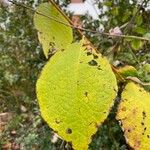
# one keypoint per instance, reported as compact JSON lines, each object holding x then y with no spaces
{"x":126,"y":15}
{"x":139,"y":20}
{"x":147,"y":35}
{"x":146,"y":68}
{"x":52,"y":35}
{"x":128,"y":71}
{"x":139,"y":30}
{"x":136,"y":44}
{"x":115,"y":11}
{"x":108,"y":3}
{"x":134,"y":114}
{"x":75,"y":93}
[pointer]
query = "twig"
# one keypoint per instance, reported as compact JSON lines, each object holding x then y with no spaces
{"x":136,"y":80}
{"x":80,"y":28}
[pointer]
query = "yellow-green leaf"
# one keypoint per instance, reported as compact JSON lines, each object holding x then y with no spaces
{"x":136,"y":44}
{"x":134,"y":114}
{"x":139,"y":30}
{"x":139,"y":20}
{"x":128,"y":71}
{"x":75,"y":92}
{"x":52,"y":35}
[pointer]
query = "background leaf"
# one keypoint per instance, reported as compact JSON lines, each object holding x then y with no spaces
{"x":52,"y":35}
{"x":147,"y":35}
{"x":140,"y":30}
{"x":128,"y":71}
{"x":136,"y":44}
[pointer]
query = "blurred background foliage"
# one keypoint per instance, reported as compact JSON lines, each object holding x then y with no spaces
{"x":21,"y":60}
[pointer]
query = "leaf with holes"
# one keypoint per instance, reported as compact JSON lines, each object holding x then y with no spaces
{"x":134,"y":114}
{"x":75,"y":93}
{"x":53,"y":35}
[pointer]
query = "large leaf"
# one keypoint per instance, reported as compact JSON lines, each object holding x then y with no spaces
{"x":52,"y":35}
{"x":75,"y":92}
{"x":134,"y":113}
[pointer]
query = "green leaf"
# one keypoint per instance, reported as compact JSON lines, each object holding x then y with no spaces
{"x":108,"y":3}
{"x":146,"y":68}
{"x":134,"y":114}
{"x":128,"y":71}
{"x":136,"y":44}
{"x":139,"y":20}
{"x":52,"y":35}
{"x":139,"y":30}
{"x":126,"y":15}
{"x":115,"y":11}
{"x":75,"y":93}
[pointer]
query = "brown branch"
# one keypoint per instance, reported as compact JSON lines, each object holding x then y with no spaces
{"x":78,"y":28}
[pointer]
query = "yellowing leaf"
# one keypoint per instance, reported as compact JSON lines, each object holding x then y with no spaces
{"x":134,"y":113}
{"x":75,"y":92}
{"x":52,"y":35}
{"x":128,"y":71}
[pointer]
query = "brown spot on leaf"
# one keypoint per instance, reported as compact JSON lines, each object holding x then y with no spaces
{"x":95,"y":56}
{"x":140,"y":90}
{"x":90,"y":123}
{"x":129,"y":130}
{"x":58,"y":121}
{"x":99,"y":68}
{"x":52,"y":44}
{"x":88,"y":53}
{"x":96,"y":125}
{"x":86,"y":94}
{"x":123,"y":109}
{"x":92,"y":63}
{"x":134,"y":111}
{"x":115,"y":89}
{"x":137,"y":144}
{"x":144,"y":114}
{"x":68,"y":131}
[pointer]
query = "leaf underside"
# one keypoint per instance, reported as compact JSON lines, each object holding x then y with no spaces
{"x":133,"y":112}
{"x":75,"y":93}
